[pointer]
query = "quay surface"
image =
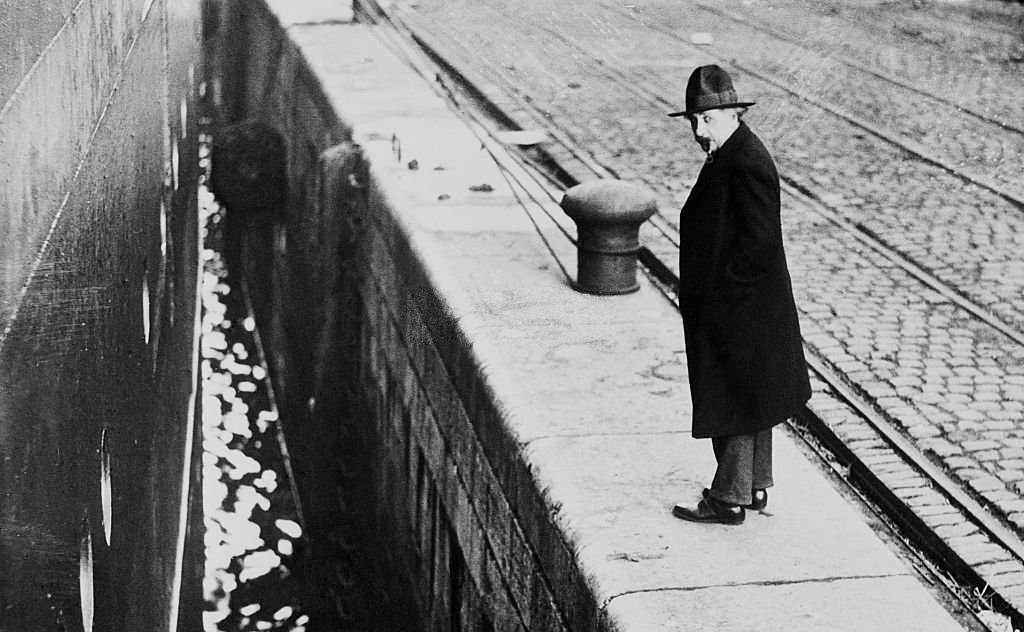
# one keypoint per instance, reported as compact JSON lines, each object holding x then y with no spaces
{"x":589,"y":392}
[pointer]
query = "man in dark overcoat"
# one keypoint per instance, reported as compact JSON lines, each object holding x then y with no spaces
{"x":743,"y":346}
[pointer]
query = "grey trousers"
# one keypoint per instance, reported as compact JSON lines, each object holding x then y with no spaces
{"x":744,"y":464}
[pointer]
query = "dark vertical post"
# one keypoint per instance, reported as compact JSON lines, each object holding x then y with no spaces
{"x":608,"y":215}
{"x":249,"y":178}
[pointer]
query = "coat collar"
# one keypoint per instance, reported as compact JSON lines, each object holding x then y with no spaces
{"x":732,"y":145}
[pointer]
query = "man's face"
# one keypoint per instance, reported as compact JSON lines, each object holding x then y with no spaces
{"x":713,"y":127}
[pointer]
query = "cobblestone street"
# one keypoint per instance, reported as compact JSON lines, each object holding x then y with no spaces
{"x":893,"y":123}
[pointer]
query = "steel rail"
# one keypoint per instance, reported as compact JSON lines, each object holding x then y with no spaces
{"x":437,"y":53}
{"x":518,"y":171}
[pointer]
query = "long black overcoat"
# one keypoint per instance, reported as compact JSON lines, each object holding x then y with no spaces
{"x":743,"y":346}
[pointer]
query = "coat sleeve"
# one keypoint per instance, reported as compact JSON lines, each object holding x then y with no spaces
{"x":754,"y":198}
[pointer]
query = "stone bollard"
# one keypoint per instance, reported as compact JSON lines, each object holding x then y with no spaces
{"x":608,"y":215}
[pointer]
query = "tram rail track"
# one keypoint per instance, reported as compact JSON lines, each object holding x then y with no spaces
{"x":861,"y":67}
{"x":955,"y":16}
{"x":946,"y":162}
{"x":550,"y":164}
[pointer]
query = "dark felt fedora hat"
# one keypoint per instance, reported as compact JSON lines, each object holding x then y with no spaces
{"x":710,"y":88}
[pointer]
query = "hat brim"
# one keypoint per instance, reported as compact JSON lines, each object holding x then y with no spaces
{"x":739,"y":104}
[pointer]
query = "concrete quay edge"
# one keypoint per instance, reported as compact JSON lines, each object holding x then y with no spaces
{"x":594,"y":391}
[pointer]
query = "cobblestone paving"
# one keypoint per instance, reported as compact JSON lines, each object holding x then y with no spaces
{"x":982,"y":149}
{"x":970,"y":237}
{"x":958,"y":39}
{"x":953,"y":383}
{"x":969,"y":66}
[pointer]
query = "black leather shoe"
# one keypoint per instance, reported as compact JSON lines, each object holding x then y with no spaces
{"x":759,"y":499}
{"x":711,"y":510}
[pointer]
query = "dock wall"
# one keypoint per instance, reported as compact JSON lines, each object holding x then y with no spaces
{"x":364,"y":318}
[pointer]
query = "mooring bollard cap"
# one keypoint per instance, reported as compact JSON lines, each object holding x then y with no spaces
{"x":609,"y":201}
{"x":608,"y":215}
